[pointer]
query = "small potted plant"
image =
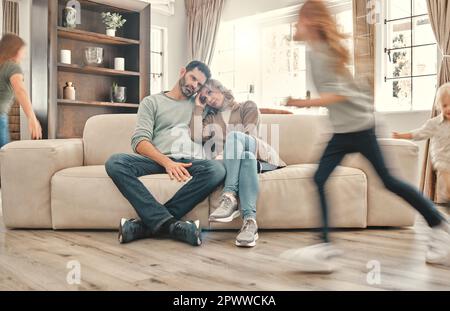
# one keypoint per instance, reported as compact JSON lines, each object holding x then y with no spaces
{"x":112,"y":21}
{"x":118,"y":93}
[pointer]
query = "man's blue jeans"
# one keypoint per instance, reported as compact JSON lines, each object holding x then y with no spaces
{"x":125,"y":169}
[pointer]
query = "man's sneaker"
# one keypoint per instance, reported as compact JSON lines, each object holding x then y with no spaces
{"x":248,"y":235}
{"x":131,"y":230}
{"x":186,"y":231}
{"x":439,"y":245}
{"x":313,"y":259}
{"x":227,"y":210}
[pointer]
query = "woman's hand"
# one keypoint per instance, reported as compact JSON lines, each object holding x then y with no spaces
{"x":35,"y":128}
{"x":198,"y":102}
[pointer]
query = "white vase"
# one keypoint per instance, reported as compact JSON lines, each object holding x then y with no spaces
{"x":111,"y":32}
{"x":119,"y":63}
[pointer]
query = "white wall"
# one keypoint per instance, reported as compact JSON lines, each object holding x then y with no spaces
{"x":24,"y":30}
{"x":235,"y":9}
{"x":1,"y":14}
{"x":177,"y":41}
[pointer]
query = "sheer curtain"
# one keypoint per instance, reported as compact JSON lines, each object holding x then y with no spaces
{"x":439,"y":12}
{"x":203,"y":24}
{"x":364,"y":44}
{"x":10,"y":14}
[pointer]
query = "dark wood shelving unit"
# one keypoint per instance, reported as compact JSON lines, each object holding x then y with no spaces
{"x":93,"y":37}
{"x":95,"y":103}
{"x":66,"y":118}
{"x":96,"y":70}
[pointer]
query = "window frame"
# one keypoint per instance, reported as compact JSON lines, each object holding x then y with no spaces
{"x":286,"y":15}
{"x":383,"y":62}
{"x":164,"y":55}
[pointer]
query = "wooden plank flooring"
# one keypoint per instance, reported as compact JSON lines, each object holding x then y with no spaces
{"x":37,"y":259}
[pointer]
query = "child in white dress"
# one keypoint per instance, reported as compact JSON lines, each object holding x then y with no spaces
{"x":438,"y":131}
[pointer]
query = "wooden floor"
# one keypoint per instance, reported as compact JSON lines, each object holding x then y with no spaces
{"x":37,"y":260}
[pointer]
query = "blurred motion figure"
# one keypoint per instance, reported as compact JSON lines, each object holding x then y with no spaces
{"x":352,"y":117}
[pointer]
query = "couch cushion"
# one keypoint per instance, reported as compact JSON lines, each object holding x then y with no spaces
{"x":105,"y":135}
{"x":86,"y":198}
{"x":288,"y":199}
{"x":298,"y":138}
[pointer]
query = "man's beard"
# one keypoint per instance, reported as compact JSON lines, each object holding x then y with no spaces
{"x":188,"y":92}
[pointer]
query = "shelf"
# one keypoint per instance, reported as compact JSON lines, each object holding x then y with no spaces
{"x":93,"y":37}
{"x":96,"y":103}
{"x":95,"y":5}
{"x":96,"y":70}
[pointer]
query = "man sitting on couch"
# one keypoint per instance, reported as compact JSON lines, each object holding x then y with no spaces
{"x":162,"y":145}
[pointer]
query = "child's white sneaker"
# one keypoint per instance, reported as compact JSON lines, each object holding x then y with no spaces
{"x":313,"y":259}
{"x":439,"y":245}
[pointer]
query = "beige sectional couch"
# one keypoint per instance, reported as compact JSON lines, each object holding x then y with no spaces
{"x":62,"y":184}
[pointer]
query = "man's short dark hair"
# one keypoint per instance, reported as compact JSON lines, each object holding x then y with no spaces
{"x":200,"y":66}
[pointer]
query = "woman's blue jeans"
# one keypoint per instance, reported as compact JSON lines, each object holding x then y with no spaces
{"x":242,"y":171}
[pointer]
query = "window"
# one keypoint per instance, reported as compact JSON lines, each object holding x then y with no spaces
{"x":410,"y":57}
{"x":236,"y":58}
{"x":284,"y":64}
{"x":158,"y":75}
{"x":258,"y":60}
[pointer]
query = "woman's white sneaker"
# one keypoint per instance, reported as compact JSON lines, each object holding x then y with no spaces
{"x":227,"y":210}
{"x":248,"y":235}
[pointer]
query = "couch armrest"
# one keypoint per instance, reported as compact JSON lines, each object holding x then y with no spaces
{"x":26,"y":171}
{"x":385,"y":208}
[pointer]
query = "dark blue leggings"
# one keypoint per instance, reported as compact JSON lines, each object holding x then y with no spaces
{"x":366,"y":143}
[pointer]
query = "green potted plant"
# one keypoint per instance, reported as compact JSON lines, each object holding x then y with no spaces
{"x":112,"y":21}
{"x":118,"y":93}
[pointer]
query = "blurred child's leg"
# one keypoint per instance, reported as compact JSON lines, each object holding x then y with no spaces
{"x":369,"y":147}
{"x":332,"y":156}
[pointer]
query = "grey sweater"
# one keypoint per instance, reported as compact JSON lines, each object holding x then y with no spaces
{"x":164,"y":122}
{"x":352,"y":115}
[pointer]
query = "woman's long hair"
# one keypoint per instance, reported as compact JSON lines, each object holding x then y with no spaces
{"x":320,"y":20}
{"x":10,"y":45}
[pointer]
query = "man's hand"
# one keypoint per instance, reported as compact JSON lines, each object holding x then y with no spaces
{"x":178,"y":170}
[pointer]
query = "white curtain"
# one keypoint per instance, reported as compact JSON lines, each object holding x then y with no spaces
{"x":10,"y":17}
{"x":203,"y":24}
{"x":1,"y":14}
